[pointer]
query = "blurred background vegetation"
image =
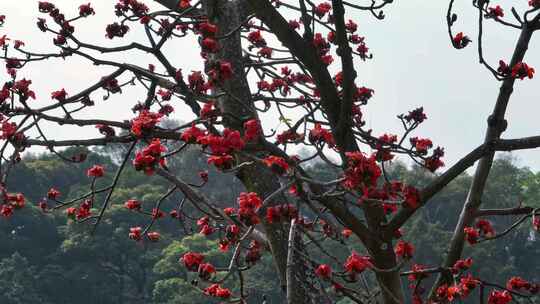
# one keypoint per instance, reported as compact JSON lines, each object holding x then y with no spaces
{"x":46,"y":258}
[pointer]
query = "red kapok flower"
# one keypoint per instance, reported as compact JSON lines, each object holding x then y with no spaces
{"x":522,"y":70}
{"x":496,"y":12}
{"x":471,"y":235}
{"x":135,"y":233}
{"x":252,"y":130}
{"x":467,"y":284}
{"x":132,"y":204}
{"x":96,"y":171}
{"x":206,"y":270}
{"x":277,"y":164}
{"x":322,"y":9}
{"x":460,"y":40}
{"x":357,"y":264}
{"x":53,"y":194}
{"x":346,"y":233}
{"x":146,"y":121}
{"x":412,"y":197}
{"x":324,"y":271}
{"x":404,"y":249}
{"x":462,"y":265}
{"x":499,"y":297}
{"x":192,"y":260}
{"x":417,"y":273}
{"x":86,"y":10}
{"x":153,"y":236}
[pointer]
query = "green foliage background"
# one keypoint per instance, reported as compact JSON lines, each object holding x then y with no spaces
{"x":44,"y":258}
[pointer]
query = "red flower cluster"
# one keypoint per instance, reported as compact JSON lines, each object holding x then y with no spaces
{"x":460,"y":40}
{"x":116,"y":30}
{"x":111,"y":85}
{"x":232,"y":233}
{"x":22,"y":88}
{"x":289,"y":136}
{"x":422,"y":145}
{"x":522,"y":70}
{"x":536,"y":223}
{"x":132,"y":204}
{"x":520,"y":284}
{"x":86,"y":10}
{"x":204,"y":226}
{"x":150,"y":157}
{"x":222,"y":162}
{"x":208,"y":33}
{"x":135,"y":233}
{"x":320,"y":135}
{"x":322,"y":9}
{"x":12,"y":202}
{"x":361,"y":172}
{"x":249,"y":204}
{"x":412,"y":197}
{"x":462,"y":265}
{"x":59,"y":95}
{"x":80,"y":213}
{"x":139,"y":9}
{"x":499,"y":297}
{"x":483,"y":228}
{"x":277,"y":164}
{"x":209,"y":111}
{"x":434,"y":162}
{"x":197,"y":83}
{"x":217,"y":291}
{"x":7,"y":129}
{"x":324,"y":271}
{"x":53,"y":194}
{"x":496,"y":12}
{"x":256,"y":39}
{"x":192,"y":134}
{"x":404,"y":250}
{"x":346,"y":233}
{"x":417,"y":273}
{"x":219,"y":145}
{"x":356,"y":264}
{"x":471,"y":235}
{"x":165,"y":94}
{"x":95,"y":171}
{"x":192,"y":260}
{"x":206,"y":270}
{"x":145,"y":122}
{"x":252,"y":130}
{"x":153,"y":236}
{"x":448,"y":292}
{"x":184,"y":4}
{"x":416,"y":116}
{"x":219,"y":72}
{"x":281,"y":212}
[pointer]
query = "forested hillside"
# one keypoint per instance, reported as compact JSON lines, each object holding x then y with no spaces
{"x":48,"y":258}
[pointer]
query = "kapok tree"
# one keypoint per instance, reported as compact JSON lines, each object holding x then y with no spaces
{"x":292,"y":60}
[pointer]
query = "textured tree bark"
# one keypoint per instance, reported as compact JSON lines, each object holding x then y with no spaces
{"x":236,"y":106}
{"x":228,"y":15}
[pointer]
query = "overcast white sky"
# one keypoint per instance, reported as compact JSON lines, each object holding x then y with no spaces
{"x":413,"y":66}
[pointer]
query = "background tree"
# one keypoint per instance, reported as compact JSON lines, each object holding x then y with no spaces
{"x":296,"y":62}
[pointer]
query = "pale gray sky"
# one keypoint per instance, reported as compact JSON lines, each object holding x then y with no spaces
{"x":414,"y":65}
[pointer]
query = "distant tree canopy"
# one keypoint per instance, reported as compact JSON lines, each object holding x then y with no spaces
{"x":43,"y":253}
